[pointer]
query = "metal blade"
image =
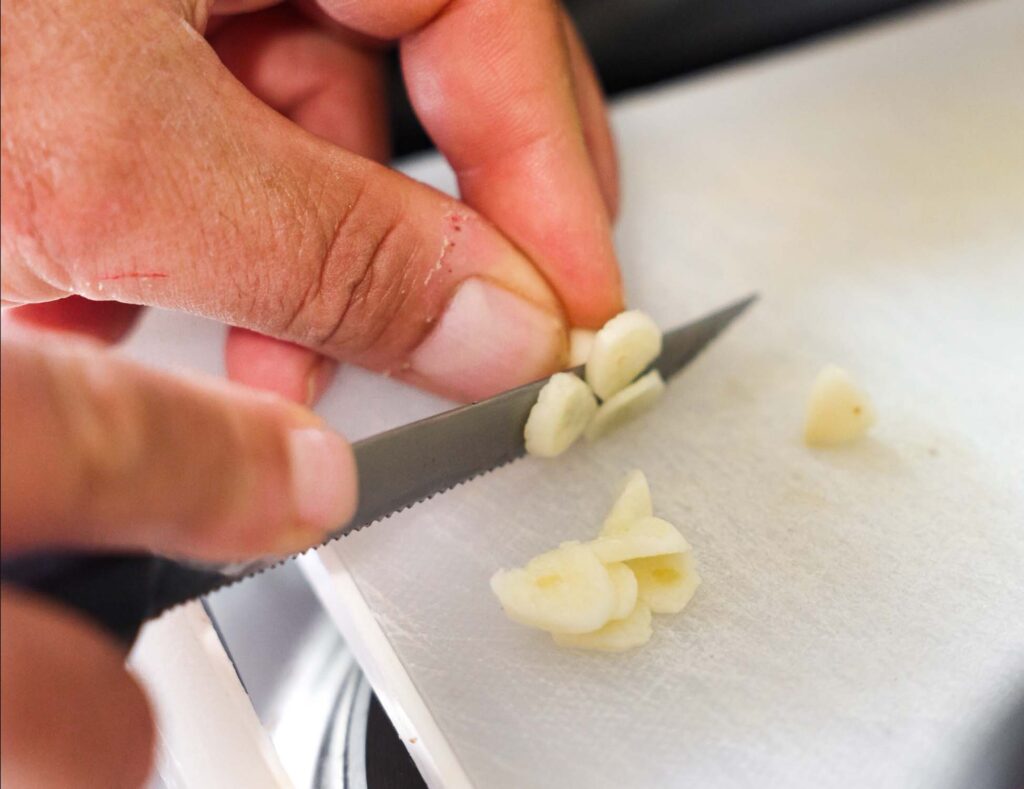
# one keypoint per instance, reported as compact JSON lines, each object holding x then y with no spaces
{"x":412,"y":463}
{"x":681,"y":345}
{"x":406,"y":465}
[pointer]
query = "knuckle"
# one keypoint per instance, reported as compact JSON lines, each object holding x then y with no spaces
{"x":31,"y":269}
{"x":86,"y":140}
{"x":129,"y":438}
{"x":100,"y":415}
{"x":359,"y":278}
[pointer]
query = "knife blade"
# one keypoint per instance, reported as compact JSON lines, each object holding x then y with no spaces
{"x":397,"y":469}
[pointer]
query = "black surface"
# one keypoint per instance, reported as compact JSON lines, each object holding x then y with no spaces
{"x":639,"y":42}
{"x":119,"y":592}
{"x":388,"y":763}
{"x":999,"y":760}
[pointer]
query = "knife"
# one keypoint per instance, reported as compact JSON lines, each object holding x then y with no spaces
{"x":397,"y":469}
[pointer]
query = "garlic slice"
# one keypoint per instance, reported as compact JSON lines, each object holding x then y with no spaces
{"x":567,"y":590}
{"x":626,"y":588}
{"x":637,"y":539}
{"x":626,"y":405}
{"x":616,"y":636}
{"x":623,"y":348}
{"x":562,"y":412}
{"x":632,"y":503}
{"x":668,"y":582}
{"x":581,"y":341}
{"x":837,"y":410}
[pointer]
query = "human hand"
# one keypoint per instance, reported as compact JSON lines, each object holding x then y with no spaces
{"x":99,"y":454}
{"x":145,"y":164}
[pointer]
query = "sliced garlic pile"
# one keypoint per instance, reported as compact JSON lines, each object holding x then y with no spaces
{"x":614,"y":356}
{"x":837,"y":411}
{"x":600,"y":595}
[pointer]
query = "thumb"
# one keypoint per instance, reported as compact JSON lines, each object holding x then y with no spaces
{"x":222,"y":207}
{"x":97,"y":451}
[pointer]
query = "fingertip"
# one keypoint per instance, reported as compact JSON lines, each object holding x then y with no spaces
{"x":596,"y":313}
{"x":323,"y":480}
{"x":271,"y":365}
{"x":598,"y":295}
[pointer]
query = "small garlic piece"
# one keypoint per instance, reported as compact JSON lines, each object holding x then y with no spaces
{"x":622,"y":349}
{"x":581,"y":341}
{"x":632,"y":503}
{"x":837,"y":410}
{"x":616,"y":636}
{"x":626,"y":589}
{"x":626,"y":405}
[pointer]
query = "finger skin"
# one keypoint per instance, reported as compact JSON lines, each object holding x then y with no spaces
{"x":291,"y":371}
{"x":320,"y":78}
{"x":106,"y":321}
{"x":323,"y":80}
{"x":99,"y":452}
{"x":182,"y":190}
{"x":238,"y":6}
{"x":594,"y":117}
{"x":70,"y":714}
{"x":490,"y":81}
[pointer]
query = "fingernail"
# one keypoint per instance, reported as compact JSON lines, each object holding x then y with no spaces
{"x":488,"y":340}
{"x":323,"y":478}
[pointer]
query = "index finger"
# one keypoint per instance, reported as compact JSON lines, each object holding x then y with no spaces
{"x":99,"y":452}
{"x":491,"y":82}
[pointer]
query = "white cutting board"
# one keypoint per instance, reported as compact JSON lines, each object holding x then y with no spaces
{"x":861,"y":621}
